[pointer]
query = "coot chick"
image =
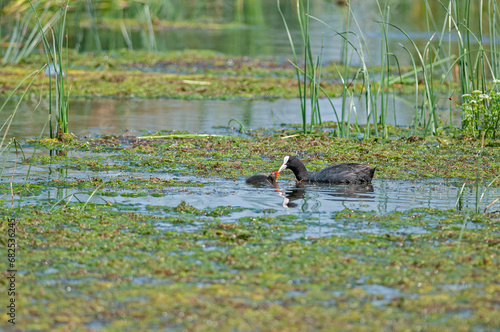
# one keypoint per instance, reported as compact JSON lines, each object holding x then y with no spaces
{"x":264,"y":179}
{"x":347,"y":173}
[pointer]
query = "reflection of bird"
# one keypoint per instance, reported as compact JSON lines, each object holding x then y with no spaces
{"x":264,"y":179}
{"x":358,"y":192}
{"x":293,"y":195}
{"x":347,"y":173}
{"x":286,"y":201}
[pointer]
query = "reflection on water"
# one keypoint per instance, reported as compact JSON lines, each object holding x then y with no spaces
{"x":113,"y":116}
{"x":261,"y":30}
{"x":383,"y":196}
{"x":356,"y":192}
{"x":316,"y":204}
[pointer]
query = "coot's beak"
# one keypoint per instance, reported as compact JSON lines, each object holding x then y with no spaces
{"x":283,"y":167}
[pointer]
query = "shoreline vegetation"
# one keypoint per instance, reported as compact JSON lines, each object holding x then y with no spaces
{"x":438,"y":70}
{"x":189,"y":74}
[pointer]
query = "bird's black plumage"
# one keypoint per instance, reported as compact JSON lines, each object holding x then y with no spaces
{"x":263,"y":179}
{"x":346,"y":173}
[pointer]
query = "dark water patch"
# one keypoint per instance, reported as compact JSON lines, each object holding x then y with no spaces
{"x":384,"y":196}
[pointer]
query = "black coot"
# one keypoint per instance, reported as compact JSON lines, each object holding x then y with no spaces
{"x":347,"y":173}
{"x":264,"y":179}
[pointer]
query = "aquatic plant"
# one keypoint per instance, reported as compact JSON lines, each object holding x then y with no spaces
{"x":438,"y":61}
{"x":24,"y":37}
{"x":4,"y":129}
{"x":54,"y":55}
{"x":481,"y":113}
{"x":123,"y":16}
{"x":472,"y":51}
{"x":374,"y":79}
{"x":433,"y":65}
{"x":308,"y":74}
{"x":13,"y":144}
{"x":53,"y":52}
{"x":242,"y":127}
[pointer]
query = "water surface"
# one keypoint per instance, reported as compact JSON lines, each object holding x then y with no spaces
{"x":114,"y":116}
{"x":257,"y":29}
{"x":317,"y":205}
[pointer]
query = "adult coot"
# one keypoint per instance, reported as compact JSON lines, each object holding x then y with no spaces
{"x":264,"y":179}
{"x":347,"y":173}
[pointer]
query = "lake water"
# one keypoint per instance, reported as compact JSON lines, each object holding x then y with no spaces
{"x":258,"y":29}
{"x":114,"y":116}
{"x":317,"y":205}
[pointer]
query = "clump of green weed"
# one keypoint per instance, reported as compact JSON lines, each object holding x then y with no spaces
{"x":481,"y":112}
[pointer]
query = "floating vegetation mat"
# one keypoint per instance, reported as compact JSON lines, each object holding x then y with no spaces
{"x":118,"y":233}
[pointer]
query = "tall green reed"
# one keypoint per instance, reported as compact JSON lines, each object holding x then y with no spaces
{"x":494,"y":35}
{"x":433,"y":64}
{"x":308,"y":74}
{"x":478,"y":62}
{"x":24,"y":38}
{"x":55,"y":71}
{"x":437,"y":62}
{"x":373,"y":78}
{"x":6,"y":125}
